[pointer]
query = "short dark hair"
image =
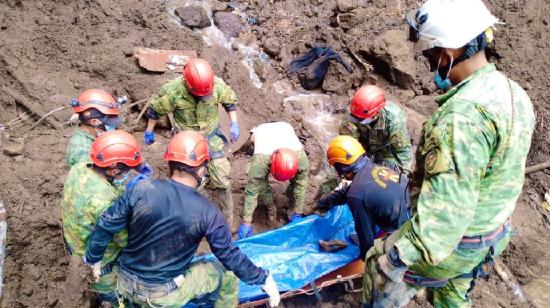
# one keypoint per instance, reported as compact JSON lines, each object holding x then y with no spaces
{"x":176,"y":165}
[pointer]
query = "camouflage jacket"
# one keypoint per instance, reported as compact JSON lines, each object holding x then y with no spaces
{"x":85,"y":195}
{"x":473,"y":151}
{"x":78,"y":150}
{"x":388,"y":140}
{"x":190,"y":114}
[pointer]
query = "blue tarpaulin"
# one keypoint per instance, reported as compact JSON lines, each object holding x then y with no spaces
{"x":292,"y":254}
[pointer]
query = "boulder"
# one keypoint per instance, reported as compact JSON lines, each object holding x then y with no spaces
{"x":228,"y":23}
{"x":391,"y":55}
{"x":272,"y":46}
{"x":193,"y":16}
{"x":346,"y":5}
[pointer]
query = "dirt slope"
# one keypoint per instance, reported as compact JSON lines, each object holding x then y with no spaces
{"x":51,"y":50}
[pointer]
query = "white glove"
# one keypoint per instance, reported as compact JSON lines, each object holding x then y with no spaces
{"x":96,"y":268}
{"x":270,"y":287}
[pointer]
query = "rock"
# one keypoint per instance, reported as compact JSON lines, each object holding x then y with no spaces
{"x":346,"y":5}
{"x":423,"y":104}
{"x":272,"y":46}
{"x":264,"y":70}
{"x":218,"y":6}
{"x":391,"y":55}
{"x":193,"y":16}
{"x":338,"y":80}
{"x":349,"y":20}
{"x":156,"y":60}
{"x":14,"y":149}
{"x":228,"y":23}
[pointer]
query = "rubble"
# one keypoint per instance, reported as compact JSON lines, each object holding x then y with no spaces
{"x":193,"y":16}
{"x":157,"y":60}
{"x":392,"y":56}
{"x":14,"y":149}
{"x":228,"y":23}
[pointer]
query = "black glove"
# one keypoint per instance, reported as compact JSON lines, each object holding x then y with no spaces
{"x":336,"y":197}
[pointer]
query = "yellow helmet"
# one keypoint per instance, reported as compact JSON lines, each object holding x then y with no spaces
{"x":344,"y":150}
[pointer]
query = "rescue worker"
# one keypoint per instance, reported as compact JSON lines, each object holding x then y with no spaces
{"x":381,"y":128}
{"x":193,"y":100}
{"x":473,"y":152}
{"x":98,"y":111}
{"x":377,"y":196}
{"x":89,"y":189}
{"x":166,"y":221}
{"x":279,"y":152}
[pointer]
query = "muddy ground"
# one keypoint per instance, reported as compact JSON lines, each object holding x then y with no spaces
{"x":52,"y":50}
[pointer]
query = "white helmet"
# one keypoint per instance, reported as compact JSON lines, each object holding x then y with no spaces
{"x":448,"y":23}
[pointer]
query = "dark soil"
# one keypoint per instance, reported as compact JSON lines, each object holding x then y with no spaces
{"x":52,"y":50}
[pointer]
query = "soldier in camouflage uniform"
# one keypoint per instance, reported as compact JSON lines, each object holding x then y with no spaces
{"x":166,"y":221}
{"x":473,"y":151}
{"x":277,"y":150}
{"x":89,"y":189}
{"x":98,"y":112}
{"x":194,"y":100}
{"x":381,"y":128}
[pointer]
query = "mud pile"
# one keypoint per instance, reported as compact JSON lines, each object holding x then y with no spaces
{"x":52,"y":50}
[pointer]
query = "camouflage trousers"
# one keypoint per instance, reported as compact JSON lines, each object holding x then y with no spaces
{"x":218,"y":172}
{"x":205,"y":282}
{"x":379,"y":291}
{"x":106,"y":288}
{"x":257,"y":186}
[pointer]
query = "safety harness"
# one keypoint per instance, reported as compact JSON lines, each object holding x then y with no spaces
{"x":482,"y":270}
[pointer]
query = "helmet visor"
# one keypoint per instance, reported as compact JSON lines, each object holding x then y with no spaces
{"x":421,"y":41}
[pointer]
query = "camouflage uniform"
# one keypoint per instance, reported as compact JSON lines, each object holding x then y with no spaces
{"x":258,"y":170}
{"x":85,"y":195}
{"x":387,"y":141}
{"x":201,"y":279}
{"x":473,"y":151}
{"x":78,"y":150}
{"x":202,"y":117}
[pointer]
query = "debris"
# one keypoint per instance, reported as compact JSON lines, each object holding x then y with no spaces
{"x":313,"y":65}
{"x":75,"y":291}
{"x":3,"y":231}
{"x":502,"y":271}
{"x":546,"y":203}
{"x":44,"y":117}
{"x":392,"y":56}
{"x":157,"y":60}
{"x":272,"y":46}
{"x":193,"y":16}
{"x":537,"y":167}
{"x":142,"y":112}
{"x":351,"y":19}
{"x":346,"y":5}
{"x":14,"y":149}
{"x":228,"y":23}
{"x":32,"y":107}
{"x":332,"y":245}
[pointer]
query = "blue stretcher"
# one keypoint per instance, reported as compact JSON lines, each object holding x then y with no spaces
{"x":292,"y":254}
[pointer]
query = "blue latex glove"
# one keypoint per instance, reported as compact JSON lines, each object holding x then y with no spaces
{"x":235,"y":131}
{"x":145,"y":169}
{"x":135,"y":180}
{"x":149,"y":137}
{"x":295,"y":217}
{"x":244,"y":231}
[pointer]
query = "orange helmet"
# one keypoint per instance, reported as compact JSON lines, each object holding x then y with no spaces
{"x":98,"y":99}
{"x":114,"y":147}
{"x":189,"y":148}
{"x":284,"y":164}
{"x":367,"y":102}
{"x":199,"y":77}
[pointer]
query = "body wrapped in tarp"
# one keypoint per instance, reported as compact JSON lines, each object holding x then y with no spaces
{"x":292,"y":254}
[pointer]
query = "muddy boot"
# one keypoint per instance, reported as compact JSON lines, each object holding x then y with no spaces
{"x":229,"y":210}
{"x":332,"y":245}
{"x":271,"y":215}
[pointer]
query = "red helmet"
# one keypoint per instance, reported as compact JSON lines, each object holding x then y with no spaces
{"x":114,"y":147}
{"x":189,"y":148}
{"x":199,"y":77}
{"x":367,"y":102}
{"x":284,"y":164}
{"x":98,"y":99}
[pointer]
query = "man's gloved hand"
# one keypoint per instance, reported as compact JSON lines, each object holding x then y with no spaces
{"x":270,"y":287}
{"x":234,"y":131}
{"x":145,"y":169}
{"x":135,"y":180}
{"x":392,"y":266}
{"x":96,"y":268}
{"x":149,"y":137}
{"x":324,"y":203}
{"x":295,"y":217}
{"x":245,"y":230}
